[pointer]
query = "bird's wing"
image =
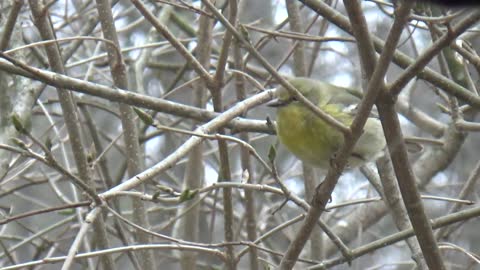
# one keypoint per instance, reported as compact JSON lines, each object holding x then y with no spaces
{"x":349,"y":99}
{"x":344,"y":96}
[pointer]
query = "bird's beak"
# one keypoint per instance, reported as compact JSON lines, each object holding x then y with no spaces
{"x":276,"y":103}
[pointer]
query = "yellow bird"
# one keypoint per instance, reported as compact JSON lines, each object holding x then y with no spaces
{"x":309,"y":137}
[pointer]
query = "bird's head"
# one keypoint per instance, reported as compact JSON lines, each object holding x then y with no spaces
{"x":309,"y":88}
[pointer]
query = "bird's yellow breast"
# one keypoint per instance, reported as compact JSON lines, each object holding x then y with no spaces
{"x":306,"y":135}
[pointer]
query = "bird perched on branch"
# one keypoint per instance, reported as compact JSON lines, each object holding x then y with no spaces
{"x":313,"y":140}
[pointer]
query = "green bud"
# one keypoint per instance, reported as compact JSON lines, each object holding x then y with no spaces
{"x":272,"y":153}
{"x":19,"y":143}
{"x":145,"y":117}
{"x":187,"y":195}
{"x":155,"y":195}
{"x":17,"y":123}
{"x":244,"y":33}
{"x":48,"y":143}
{"x":165,"y":189}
